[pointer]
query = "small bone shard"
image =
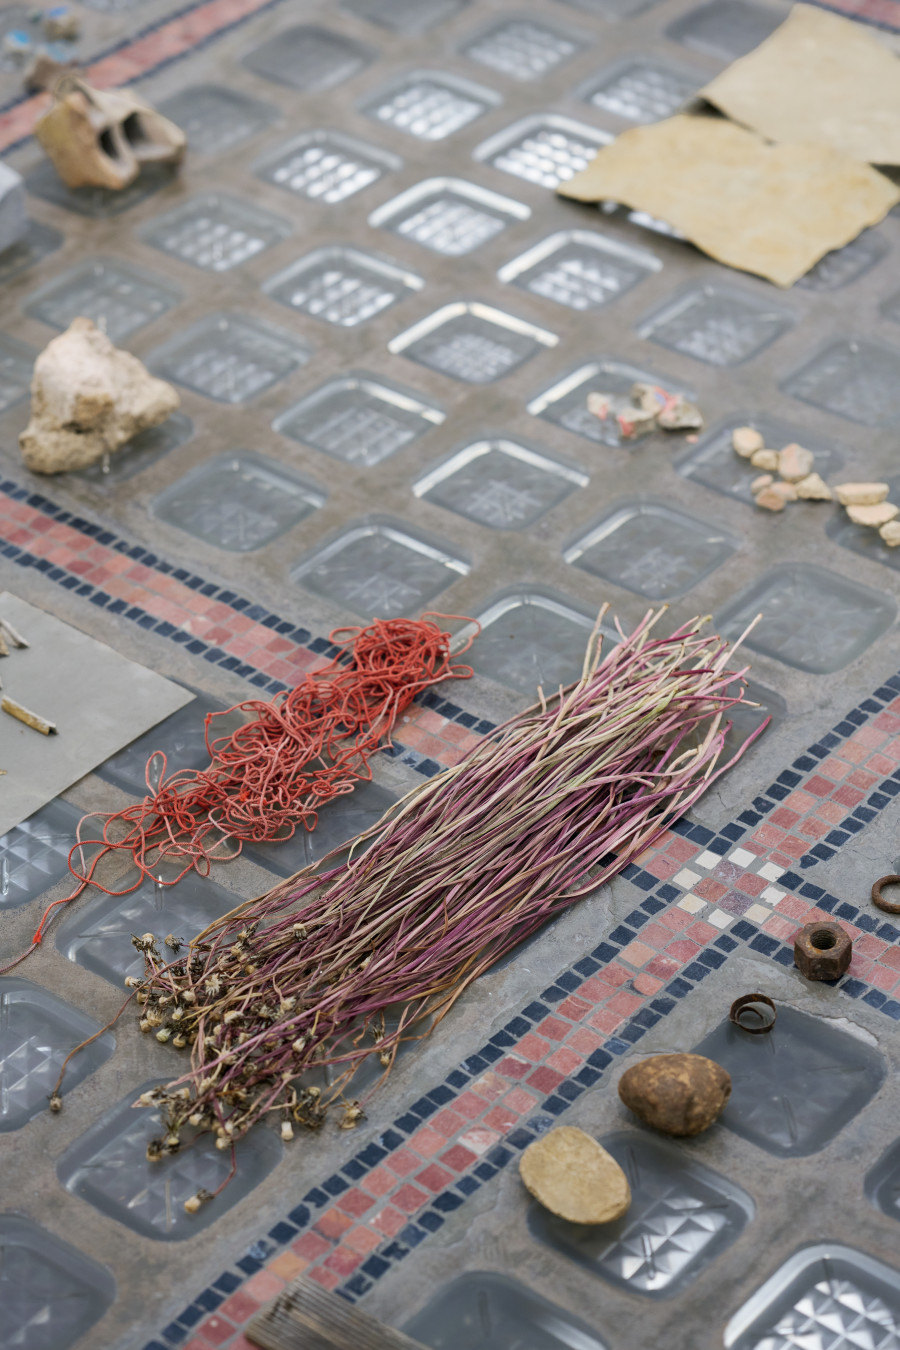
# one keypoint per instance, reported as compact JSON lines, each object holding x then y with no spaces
{"x":88,"y":399}
{"x":22,"y":714}
{"x":746,"y":441}
{"x":103,"y":137}
{"x":861,"y":494}
{"x":879,"y":514}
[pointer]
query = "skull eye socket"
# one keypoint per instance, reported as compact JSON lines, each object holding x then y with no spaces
{"x":133,"y":129}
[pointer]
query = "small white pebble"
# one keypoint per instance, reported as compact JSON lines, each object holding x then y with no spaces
{"x":746,"y":441}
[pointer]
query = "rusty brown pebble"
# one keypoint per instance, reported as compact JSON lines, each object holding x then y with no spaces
{"x":751,"y":1003}
{"x":889,"y":906}
{"x":822,"y":950}
{"x":678,"y":1094}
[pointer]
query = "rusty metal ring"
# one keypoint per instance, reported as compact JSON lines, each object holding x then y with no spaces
{"x":889,"y":906}
{"x":747,"y":1001}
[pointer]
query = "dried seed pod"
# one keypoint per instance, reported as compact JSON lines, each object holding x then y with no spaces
{"x":55,"y":1103}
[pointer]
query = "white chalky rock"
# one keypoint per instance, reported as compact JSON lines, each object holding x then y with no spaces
{"x":813,"y":488}
{"x":861,"y":494}
{"x":746,"y":441}
{"x":877,"y":515}
{"x":795,"y":463}
{"x":890,"y":533}
{"x":87,"y":400}
{"x":765,"y":459}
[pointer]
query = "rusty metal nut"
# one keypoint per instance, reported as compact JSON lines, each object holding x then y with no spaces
{"x":822,"y":951}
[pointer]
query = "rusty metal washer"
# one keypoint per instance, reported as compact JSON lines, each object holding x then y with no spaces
{"x":748,"y":1001}
{"x":889,"y":906}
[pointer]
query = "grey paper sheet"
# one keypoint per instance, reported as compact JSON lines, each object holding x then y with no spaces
{"x":98,"y":700}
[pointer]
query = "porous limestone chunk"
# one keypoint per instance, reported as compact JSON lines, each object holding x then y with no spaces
{"x":877,"y":515}
{"x":767,"y":460}
{"x":861,"y":494}
{"x":890,"y":533}
{"x":785,"y":490}
{"x":795,"y":463}
{"x":88,"y":399}
{"x":813,"y":488}
{"x":635,"y":422}
{"x":763,"y":481}
{"x":574,"y":1177}
{"x":746,"y":441}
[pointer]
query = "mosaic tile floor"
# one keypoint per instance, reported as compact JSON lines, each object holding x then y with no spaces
{"x":384,"y":326}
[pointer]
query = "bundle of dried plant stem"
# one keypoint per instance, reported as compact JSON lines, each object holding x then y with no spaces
{"x":351,"y":959}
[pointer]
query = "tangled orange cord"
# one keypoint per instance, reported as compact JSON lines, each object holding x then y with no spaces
{"x":298,"y":751}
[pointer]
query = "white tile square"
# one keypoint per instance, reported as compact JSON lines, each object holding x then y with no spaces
{"x":692,"y":903}
{"x":686,"y":878}
{"x":707,"y":860}
{"x":772,"y":894}
{"x":771,"y":872}
{"x":743,"y":857}
{"x":719,"y":919}
{"x":757,"y":914}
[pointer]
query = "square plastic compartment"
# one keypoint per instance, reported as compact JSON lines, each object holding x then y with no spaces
{"x":579,"y":269}
{"x":795,"y":1088}
{"x":16,"y":362}
{"x":714,"y":462}
{"x":181,"y":738}
{"x":543,"y":149}
{"x":215,"y":231}
{"x":140,"y":452}
{"x":485,"y":1311}
{"x":405,"y":16}
{"x":34,"y":855}
{"x":862,"y":539}
{"x":448,"y":215}
{"x":215,"y":118}
{"x":844,"y":265}
{"x":651,"y":548}
{"x":565,"y":402}
{"x":499,"y":483}
{"x":532,"y":636}
{"x":522,"y":49}
{"x":37,"y":1031}
{"x":308,"y":58}
{"x":472,"y":342}
{"x":642,"y":89}
{"x":119,"y":297}
{"x":97,"y":936}
{"x":612,"y":9}
{"x":39,"y":243}
{"x":882,"y":1184}
{"x":359,"y":419}
{"x":716,"y":324}
{"x":825,"y":1297}
{"x":856,"y":378}
{"x":340,"y":821}
{"x":725,"y":28}
{"x":108,"y":1167}
{"x":325,"y":166}
{"x":813,"y":619}
{"x":379,"y":566}
{"x":98,"y":202}
{"x":342,"y":286}
{"x":230,"y":357}
{"x":429,"y":105}
{"x":238,"y":501}
{"x":50,"y":1293}
{"x":682,"y":1216}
